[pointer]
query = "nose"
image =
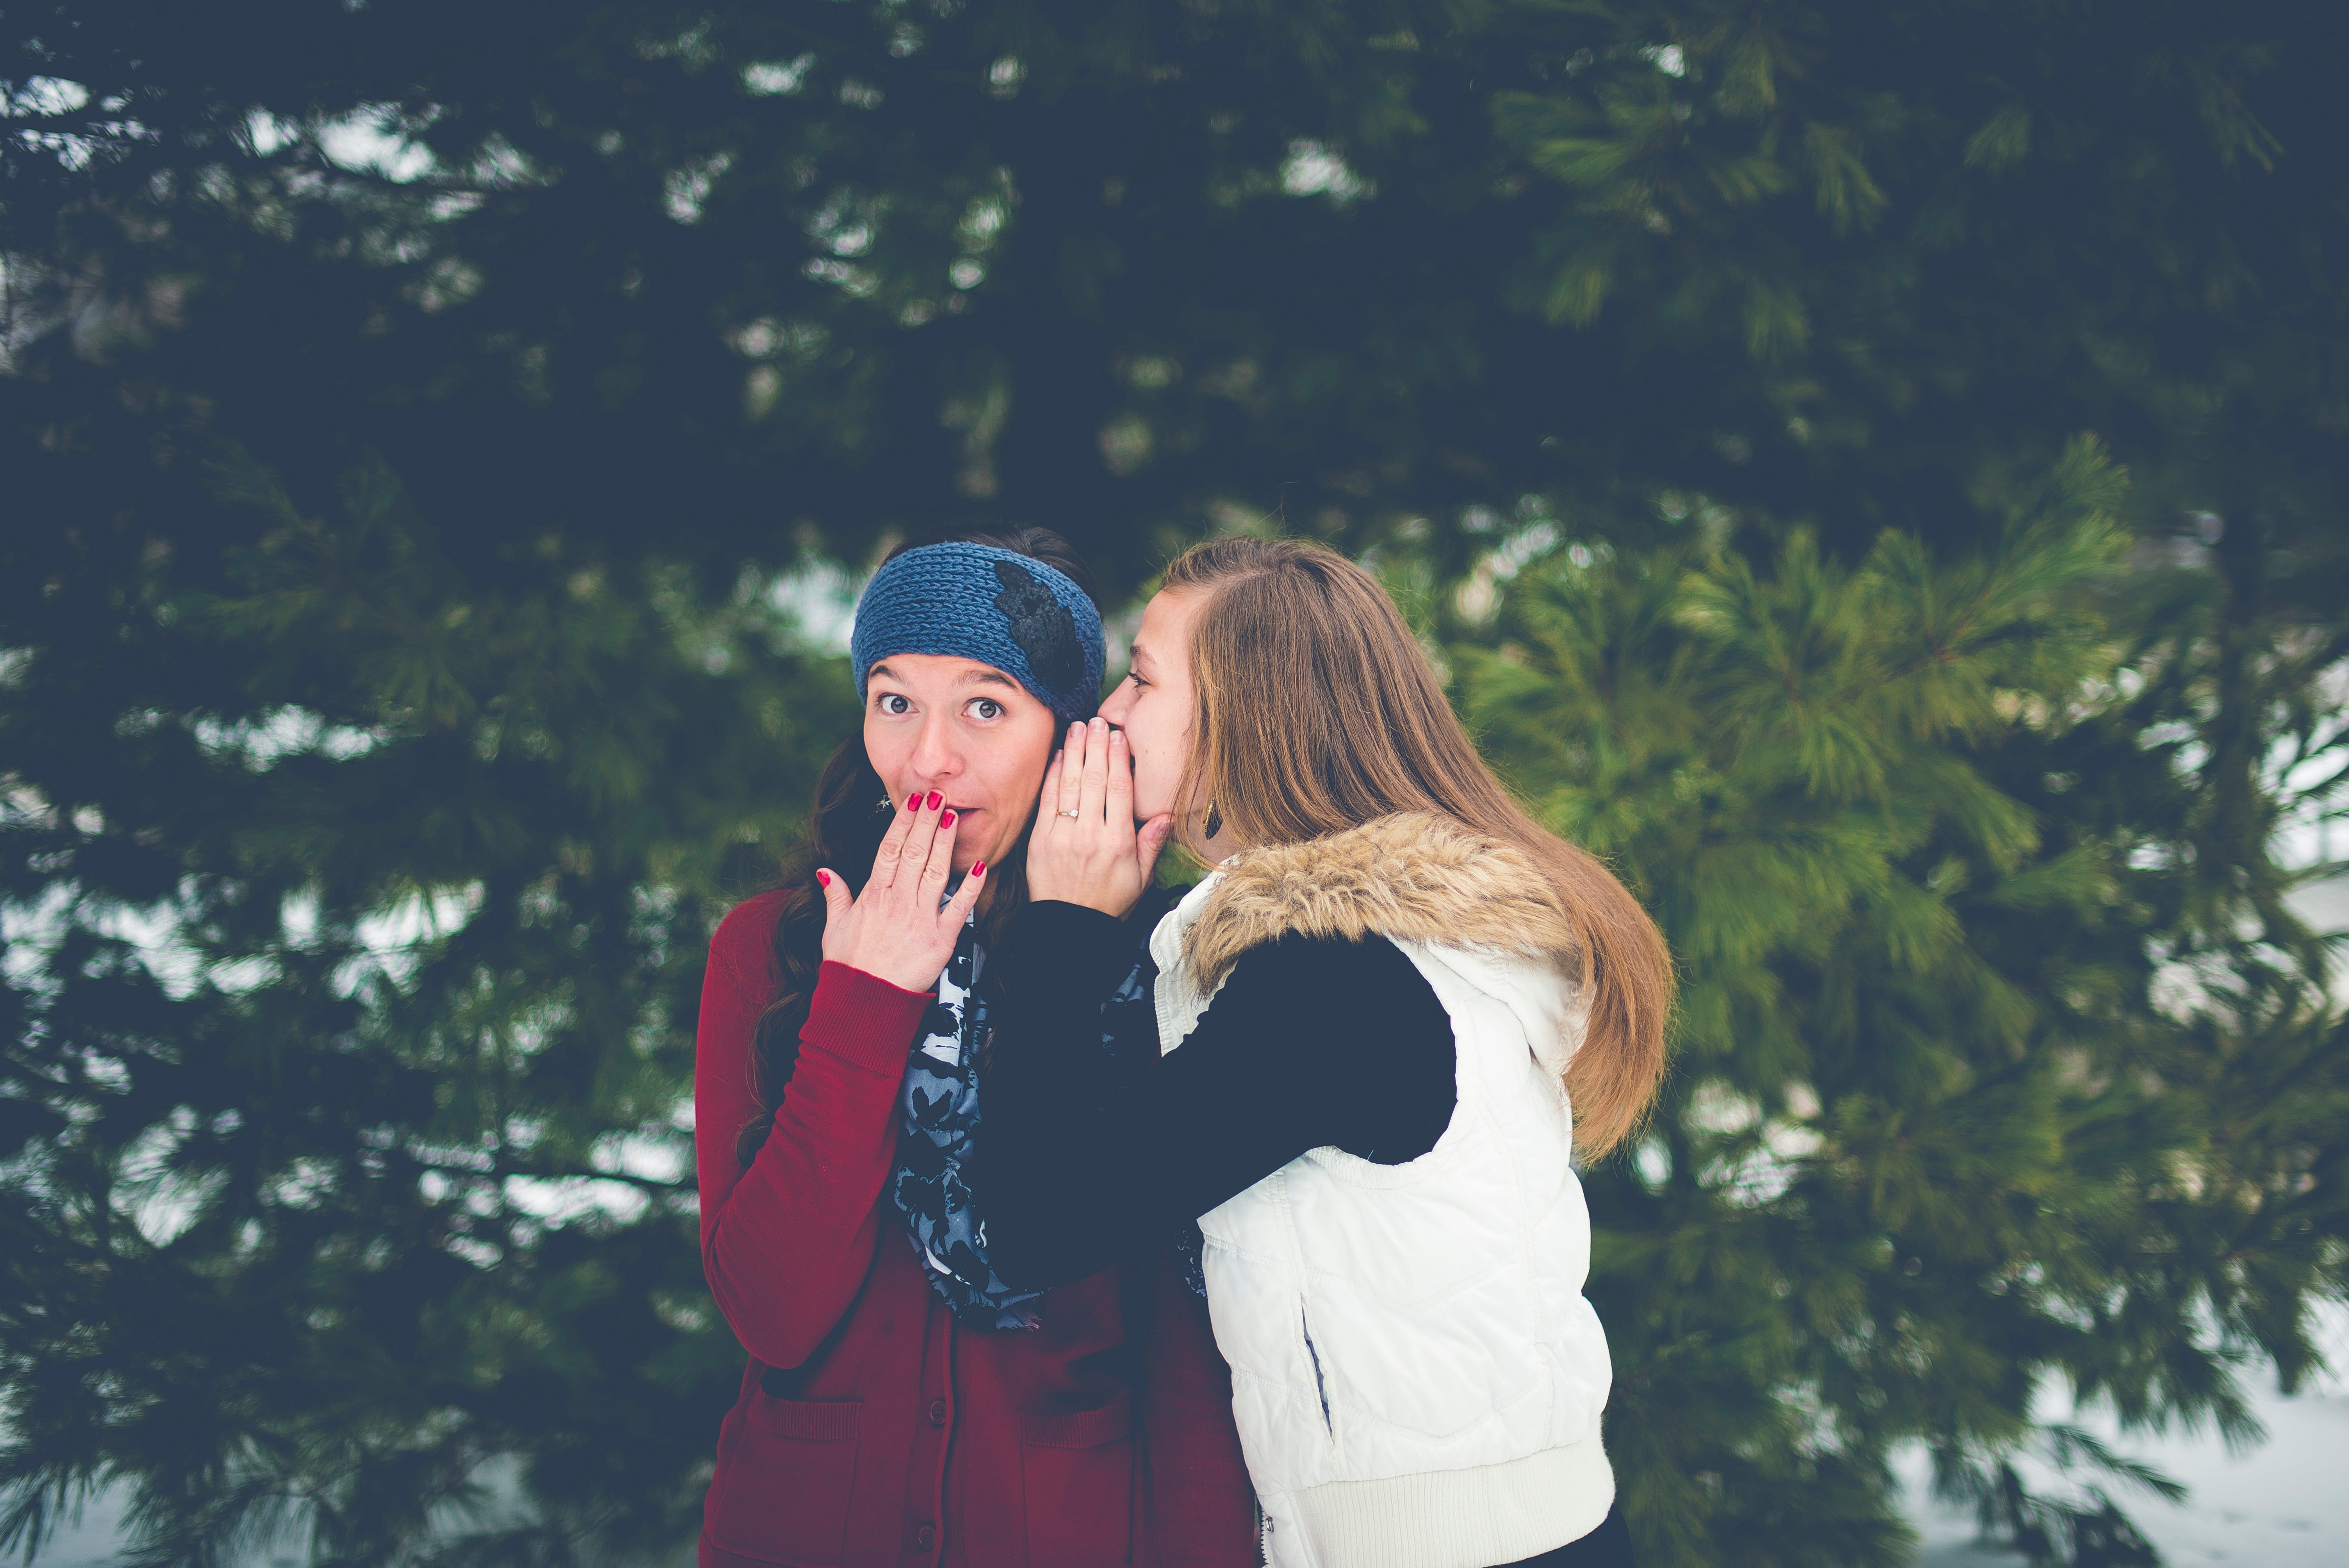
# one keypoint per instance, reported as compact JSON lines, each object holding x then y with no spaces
{"x":935,"y":760}
{"x":1114,"y":709}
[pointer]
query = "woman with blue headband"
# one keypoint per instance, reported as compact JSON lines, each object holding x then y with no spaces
{"x":902,"y":1403}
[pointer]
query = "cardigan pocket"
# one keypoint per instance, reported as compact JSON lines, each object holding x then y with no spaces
{"x":1076,"y":1474}
{"x":783,"y":1496}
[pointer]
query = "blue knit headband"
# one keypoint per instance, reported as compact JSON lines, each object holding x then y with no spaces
{"x":974,"y":602}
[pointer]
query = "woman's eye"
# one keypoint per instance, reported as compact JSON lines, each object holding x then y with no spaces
{"x":1137,"y":680}
{"x":890,"y":702}
{"x":986,"y":707}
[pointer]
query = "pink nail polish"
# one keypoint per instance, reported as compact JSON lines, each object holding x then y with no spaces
{"x":979,"y":868}
{"x":932,"y":803}
{"x":947,"y":821}
{"x":914,"y":801}
{"x":823,"y":877}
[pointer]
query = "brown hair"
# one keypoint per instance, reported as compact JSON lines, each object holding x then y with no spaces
{"x":852,"y":813}
{"x":1317,"y":712}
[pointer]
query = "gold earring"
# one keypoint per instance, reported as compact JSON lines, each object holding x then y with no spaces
{"x":1215,"y":819}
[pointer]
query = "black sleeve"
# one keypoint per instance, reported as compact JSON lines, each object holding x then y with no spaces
{"x":1311,"y":1042}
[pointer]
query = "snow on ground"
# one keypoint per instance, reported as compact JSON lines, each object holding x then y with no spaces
{"x":2284,"y":1504}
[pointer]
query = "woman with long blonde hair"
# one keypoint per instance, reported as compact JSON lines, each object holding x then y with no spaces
{"x":1388,"y":1018}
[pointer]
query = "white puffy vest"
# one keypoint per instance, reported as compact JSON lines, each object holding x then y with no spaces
{"x":1416,"y":1376}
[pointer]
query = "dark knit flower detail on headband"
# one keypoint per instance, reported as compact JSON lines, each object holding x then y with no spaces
{"x":1042,"y":625}
{"x":963,"y":600}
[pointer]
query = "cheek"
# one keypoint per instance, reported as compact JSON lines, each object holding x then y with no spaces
{"x":1012,"y":769}
{"x":1158,"y":732}
{"x":1157,"y":759}
{"x":1014,"y":784}
{"x":885,"y":747}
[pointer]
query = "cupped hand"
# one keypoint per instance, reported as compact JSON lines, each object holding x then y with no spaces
{"x":895,"y":930}
{"x":1084,"y":848}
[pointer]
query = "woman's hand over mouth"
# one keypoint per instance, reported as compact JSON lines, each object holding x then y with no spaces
{"x":1084,"y":848}
{"x":897,"y":930}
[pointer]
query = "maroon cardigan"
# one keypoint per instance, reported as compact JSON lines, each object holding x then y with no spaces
{"x":912,"y":1439}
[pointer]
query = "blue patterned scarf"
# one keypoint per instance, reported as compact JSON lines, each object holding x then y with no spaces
{"x":938,"y":1114}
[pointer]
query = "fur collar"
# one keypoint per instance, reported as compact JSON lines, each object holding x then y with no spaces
{"x":1410,"y":877}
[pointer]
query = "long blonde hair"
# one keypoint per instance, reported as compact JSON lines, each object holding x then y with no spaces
{"x":1315,"y":712}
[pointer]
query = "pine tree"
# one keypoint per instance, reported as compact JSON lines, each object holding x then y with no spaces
{"x":392,"y":694}
{"x":1980,"y":1088}
{"x":364,"y":910}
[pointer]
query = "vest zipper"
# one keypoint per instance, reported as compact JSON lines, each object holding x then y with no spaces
{"x":1321,"y":1388}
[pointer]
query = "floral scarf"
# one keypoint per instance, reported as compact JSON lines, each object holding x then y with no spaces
{"x":939,"y":1115}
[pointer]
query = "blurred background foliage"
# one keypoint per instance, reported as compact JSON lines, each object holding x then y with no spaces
{"x":1875,"y":471}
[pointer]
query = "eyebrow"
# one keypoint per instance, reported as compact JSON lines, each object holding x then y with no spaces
{"x":1136,"y":654}
{"x":973,"y":677}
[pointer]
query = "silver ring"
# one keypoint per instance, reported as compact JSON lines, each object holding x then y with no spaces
{"x":1070,"y":814}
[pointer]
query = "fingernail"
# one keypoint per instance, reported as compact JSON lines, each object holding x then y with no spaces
{"x":914,"y":801}
{"x":932,"y":803}
{"x":823,"y":877}
{"x":947,"y":821}
{"x":979,"y":868}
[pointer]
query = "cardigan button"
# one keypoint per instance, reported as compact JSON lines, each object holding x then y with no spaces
{"x":937,"y":1412}
{"x":927,"y":1537}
